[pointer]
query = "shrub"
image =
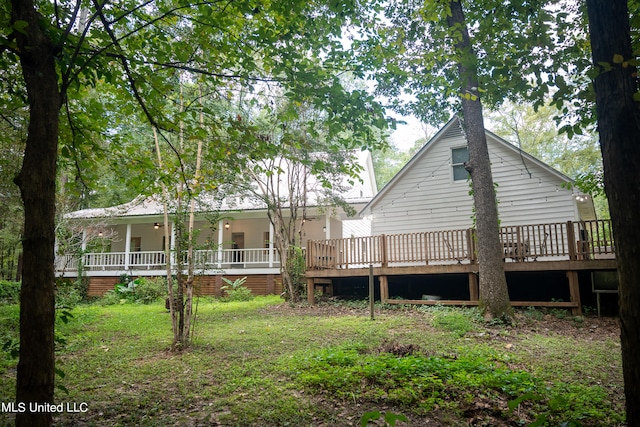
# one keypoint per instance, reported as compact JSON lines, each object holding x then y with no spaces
{"x":149,"y":289}
{"x":235,"y":291}
{"x":111,"y":298}
{"x":9,"y":292}
{"x":69,"y":293}
{"x":143,"y":290}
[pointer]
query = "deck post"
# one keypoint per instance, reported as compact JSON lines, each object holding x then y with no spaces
{"x":371,"y":292}
{"x":311,"y":291}
{"x":574,"y":292}
{"x":520,"y":253}
{"x":383,"y":250}
{"x":474,"y":290}
{"x":471,"y":246}
{"x":384,"y":289}
{"x":572,"y":242}
{"x":426,"y":247}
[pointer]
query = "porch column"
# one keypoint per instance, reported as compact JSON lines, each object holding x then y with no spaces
{"x":83,"y":249}
{"x":327,"y":227}
{"x":127,"y":247}
{"x":271,"y":254}
{"x":220,"y":239}
{"x":172,"y":244}
{"x":83,"y":244}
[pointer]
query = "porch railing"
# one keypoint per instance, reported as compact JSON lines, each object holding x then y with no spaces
{"x":570,"y":240}
{"x":156,"y":260}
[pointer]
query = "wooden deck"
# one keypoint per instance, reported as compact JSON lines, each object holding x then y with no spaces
{"x":569,"y":247}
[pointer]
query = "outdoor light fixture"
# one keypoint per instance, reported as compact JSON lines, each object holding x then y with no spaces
{"x":226,"y":226}
{"x":100,"y":233}
{"x":156,"y":225}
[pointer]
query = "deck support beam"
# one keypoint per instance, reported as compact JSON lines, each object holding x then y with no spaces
{"x":574,"y":292}
{"x":384,"y":289}
{"x":311,"y":288}
{"x":474,"y":289}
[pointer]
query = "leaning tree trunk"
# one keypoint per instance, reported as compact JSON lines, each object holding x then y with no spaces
{"x":167,"y":239}
{"x":36,"y":180}
{"x":494,"y":295}
{"x":191,"y":242}
{"x":619,"y":129}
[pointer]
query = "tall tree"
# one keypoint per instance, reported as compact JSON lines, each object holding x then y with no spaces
{"x":494,"y":295}
{"x":37,"y":183}
{"x":618,"y":110}
{"x":138,"y":47}
{"x":304,"y":169}
{"x":425,"y":50}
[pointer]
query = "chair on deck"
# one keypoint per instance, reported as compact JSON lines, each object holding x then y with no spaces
{"x":453,"y":253}
{"x":543,"y":247}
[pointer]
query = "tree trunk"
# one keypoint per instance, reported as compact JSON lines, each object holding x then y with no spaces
{"x":167,"y":240}
{"x":282,"y":243}
{"x":179,"y":340}
{"x":619,"y":129}
{"x":37,"y":183}
{"x":494,"y":295}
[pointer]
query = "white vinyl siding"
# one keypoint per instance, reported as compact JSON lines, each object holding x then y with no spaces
{"x":424,"y":197}
{"x":531,"y":194}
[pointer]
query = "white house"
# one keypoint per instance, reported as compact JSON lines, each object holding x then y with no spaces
{"x":422,"y":237}
{"x":130,"y":238}
{"x":432,"y":191}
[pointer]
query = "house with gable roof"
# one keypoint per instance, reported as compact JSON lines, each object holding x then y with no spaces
{"x":423,"y":238}
{"x":130,"y":239}
{"x":432,"y":191}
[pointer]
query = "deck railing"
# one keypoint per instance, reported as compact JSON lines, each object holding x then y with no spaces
{"x":156,"y":260}
{"x":537,"y":242}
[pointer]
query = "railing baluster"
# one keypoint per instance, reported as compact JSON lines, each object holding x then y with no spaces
{"x":586,"y":239}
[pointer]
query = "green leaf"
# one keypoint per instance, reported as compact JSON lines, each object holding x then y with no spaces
{"x":20,"y":26}
{"x":62,"y":388}
{"x":636,"y":96}
{"x":59,"y":372}
{"x":369,"y":416}
{"x":391,"y":418}
{"x":618,"y":59}
{"x":65,"y":315}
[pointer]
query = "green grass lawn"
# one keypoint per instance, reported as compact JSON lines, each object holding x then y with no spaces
{"x":267,"y":363}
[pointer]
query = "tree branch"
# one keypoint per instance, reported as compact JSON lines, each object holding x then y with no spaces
{"x":134,"y":88}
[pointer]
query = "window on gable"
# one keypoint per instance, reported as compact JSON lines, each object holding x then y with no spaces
{"x":458,"y":157}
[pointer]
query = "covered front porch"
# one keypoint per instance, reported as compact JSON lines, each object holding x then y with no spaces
{"x":134,"y":242}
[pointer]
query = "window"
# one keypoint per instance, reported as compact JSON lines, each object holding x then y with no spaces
{"x":458,"y":157}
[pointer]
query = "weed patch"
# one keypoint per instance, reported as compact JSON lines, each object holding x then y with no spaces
{"x":265,"y":362}
{"x":425,"y":383}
